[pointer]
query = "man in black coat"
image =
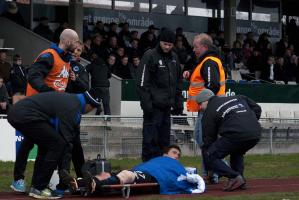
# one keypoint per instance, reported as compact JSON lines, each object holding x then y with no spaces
{"x":100,"y":74}
{"x":159,"y":86}
{"x":51,"y":120}
{"x":230,"y":127}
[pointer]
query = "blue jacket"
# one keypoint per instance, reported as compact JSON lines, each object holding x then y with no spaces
{"x":166,"y":170}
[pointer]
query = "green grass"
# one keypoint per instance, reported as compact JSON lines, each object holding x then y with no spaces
{"x":256,"y":166}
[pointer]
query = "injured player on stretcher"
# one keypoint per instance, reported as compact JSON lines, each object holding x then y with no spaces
{"x":165,"y":170}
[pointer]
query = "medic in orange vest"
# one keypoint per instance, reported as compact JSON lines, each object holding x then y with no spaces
{"x":208,"y":73}
{"x":50,"y":71}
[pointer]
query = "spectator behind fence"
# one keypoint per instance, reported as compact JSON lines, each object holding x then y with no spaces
{"x":87,"y":51}
{"x":134,"y":66}
{"x":5,"y":67}
{"x":165,"y":170}
{"x":18,"y":79}
{"x":280,"y":71}
{"x":43,"y":29}
{"x":122,"y":70}
{"x":14,"y":14}
{"x":159,"y":86}
{"x":4,"y":103}
{"x":97,"y":46}
{"x":268,"y":71}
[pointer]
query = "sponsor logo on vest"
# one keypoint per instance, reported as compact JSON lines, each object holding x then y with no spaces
{"x":59,"y":85}
{"x":64,"y":73}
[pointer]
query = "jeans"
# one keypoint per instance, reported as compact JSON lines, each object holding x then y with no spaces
{"x":198,"y":129}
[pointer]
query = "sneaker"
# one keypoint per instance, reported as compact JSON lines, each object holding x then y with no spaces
{"x":234,"y":184}
{"x":43,"y":194}
{"x":18,"y":186}
{"x":58,"y":192}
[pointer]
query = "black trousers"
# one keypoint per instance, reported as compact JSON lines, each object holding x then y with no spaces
{"x":73,"y":153}
{"x":156,"y":133}
{"x":21,"y":158}
{"x":50,"y":149}
{"x":223,"y":147}
{"x":104,"y":94}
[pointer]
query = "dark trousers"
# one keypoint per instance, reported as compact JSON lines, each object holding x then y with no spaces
{"x":223,"y":147}
{"x":75,"y":154}
{"x":156,"y":133}
{"x":50,"y":149}
{"x":21,"y":158}
{"x":104,"y":94}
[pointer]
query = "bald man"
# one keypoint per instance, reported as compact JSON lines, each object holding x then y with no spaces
{"x":49,"y":72}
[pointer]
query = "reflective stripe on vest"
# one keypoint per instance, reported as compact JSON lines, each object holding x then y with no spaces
{"x":57,"y":77}
{"x":197,"y":84}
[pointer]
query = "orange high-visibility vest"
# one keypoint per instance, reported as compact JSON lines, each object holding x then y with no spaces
{"x":57,"y":77}
{"x":197,"y":84}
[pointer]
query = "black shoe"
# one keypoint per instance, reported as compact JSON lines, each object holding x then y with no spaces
{"x":68,"y":180}
{"x":234,"y":184}
{"x":88,"y":179}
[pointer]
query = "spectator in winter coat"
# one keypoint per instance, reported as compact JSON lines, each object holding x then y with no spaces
{"x":18,"y":79}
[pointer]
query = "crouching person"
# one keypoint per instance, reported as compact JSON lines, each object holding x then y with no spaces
{"x":165,"y":170}
{"x":235,"y":120}
{"x":51,"y":121}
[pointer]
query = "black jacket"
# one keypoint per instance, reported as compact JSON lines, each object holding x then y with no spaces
{"x":209,"y":71}
{"x":18,"y":78}
{"x":100,"y":73}
{"x":234,"y":117}
{"x":81,"y":84}
{"x":64,"y":108}
{"x":159,"y":81}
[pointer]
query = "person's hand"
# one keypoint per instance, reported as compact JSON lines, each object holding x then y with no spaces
{"x":72,"y":75}
{"x":186,"y":74}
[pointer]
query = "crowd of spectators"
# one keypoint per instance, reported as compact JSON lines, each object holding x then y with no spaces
{"x":121,"y":49}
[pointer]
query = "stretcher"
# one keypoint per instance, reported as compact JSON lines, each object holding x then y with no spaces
{"x":125,"y":189}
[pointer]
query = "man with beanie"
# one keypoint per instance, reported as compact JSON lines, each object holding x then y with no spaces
{"x":230,"y":127}
{"x":207,"y":73}
{"x":51,"y":120}
{"x":159,"y":86}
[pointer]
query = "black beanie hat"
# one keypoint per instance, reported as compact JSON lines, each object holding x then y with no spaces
{"x":91,"y":98}
{"x":167,"y":36}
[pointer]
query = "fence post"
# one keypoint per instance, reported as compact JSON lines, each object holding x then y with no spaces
{"x":105,"y":136}
{"x":271,"y":140}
